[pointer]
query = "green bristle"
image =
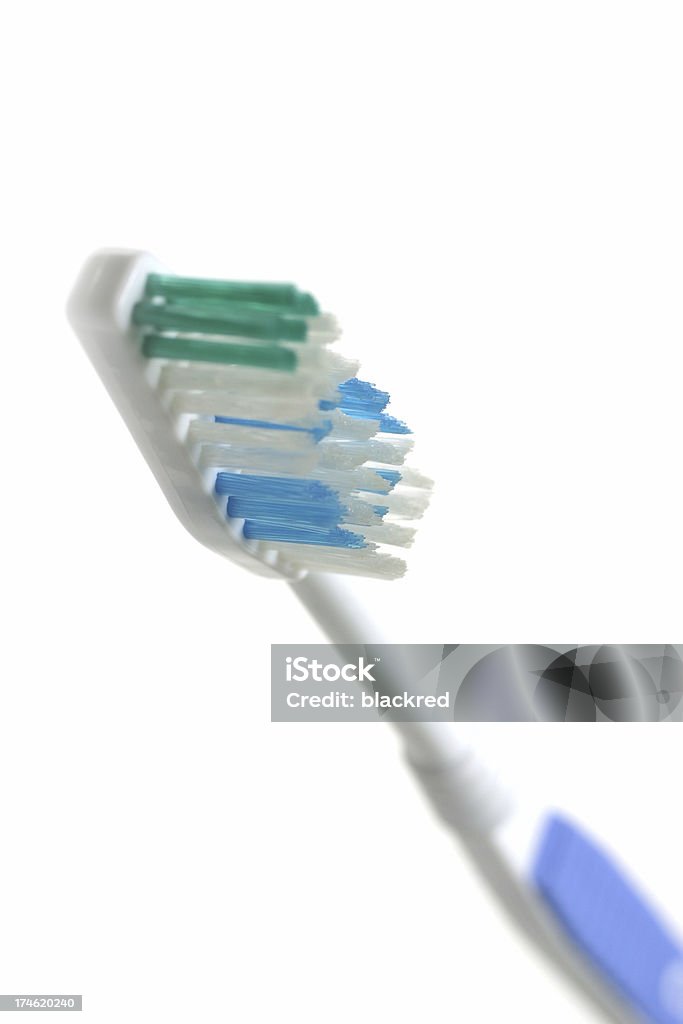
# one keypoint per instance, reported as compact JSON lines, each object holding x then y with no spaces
{"x":305,"y":304}
{"x":286,"y":297}
{"x":243,"y":324}
{"x":270,"y":357}
{"x":229,"y":307}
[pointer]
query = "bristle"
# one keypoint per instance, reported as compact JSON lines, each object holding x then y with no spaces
{"x":248,"y":435}
{"x":199,"y":350}
{"x":300,"y":454}
{"x":301,"y":410}
{"x":193,"y":321}
{"x":404,"y":502}
{"x":367,"y":562}
{"x":349,"y":454}
{"x":282,"y":296}
{"x":245,"y":380}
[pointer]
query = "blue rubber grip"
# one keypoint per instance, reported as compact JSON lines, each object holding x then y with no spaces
{"x":611,"y":922}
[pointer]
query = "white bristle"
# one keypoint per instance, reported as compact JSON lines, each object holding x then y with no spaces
{"x":349,"y":454}
{"x":412,"y":478}
{"x":323,"y":329}
{"x":350,"y":428}
{"x":354,"y":562}
{"x":361,"y":479}
{"x":318,"y":383}
{"x":226,"y":403}
{"x":238,"y":436}
{"x":387,"y":533}
{"x":360,"y":513}
{"x":259,"y":461}
{"x":403,"y":503}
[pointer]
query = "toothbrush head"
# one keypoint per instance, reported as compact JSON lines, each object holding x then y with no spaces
{"x":268,"y":447}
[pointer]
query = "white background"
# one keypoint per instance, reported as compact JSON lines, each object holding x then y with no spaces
{"x":490,"y":197}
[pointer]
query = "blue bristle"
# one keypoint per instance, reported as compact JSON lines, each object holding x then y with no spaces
{"x":334,"y":537}
{"x":283,"y":488}
{"x":390,"y":425}
{"x":360,"y":397}
{"x":286,"y":509}
{"x":364,"y":401}
{"x":380,"y":510}
{"x":363,"y":393}
{"x":284,"y":513}
{"x":318,"y":433}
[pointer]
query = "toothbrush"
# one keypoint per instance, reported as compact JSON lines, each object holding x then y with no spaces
{"x":274,"y":454}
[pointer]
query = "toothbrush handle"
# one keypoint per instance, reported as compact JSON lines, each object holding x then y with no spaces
{"x":428,"y":745}
{"x":464,"y":795}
